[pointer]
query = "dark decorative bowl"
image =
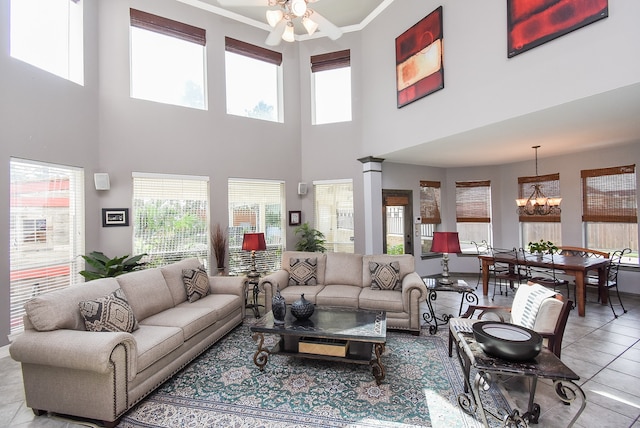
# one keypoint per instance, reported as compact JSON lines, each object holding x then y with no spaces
{"x":302,"y":308}
{"x":507,"y":341}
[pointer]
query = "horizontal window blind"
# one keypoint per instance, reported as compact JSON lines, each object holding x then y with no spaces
{"x":171,"y":218}
{"x":334,"y":214}
{"x":46,"y":231}
{"x":473,"y":201}
{"x":609,"y":195}
{"x":430,"y":202}
{"x":256,"y":206}
{"x":168,"y":27}
{"x":549,"y":186}
{"x":252,"y":51}
{"x":331,"y":61}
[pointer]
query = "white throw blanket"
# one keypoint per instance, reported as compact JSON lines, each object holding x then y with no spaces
{"x":534,"y":300}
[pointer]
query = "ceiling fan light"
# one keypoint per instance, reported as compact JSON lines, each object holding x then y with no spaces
{"x":310,"y":25}
{"x":298,"y":7}
{"x":274,"y":16}
{"x":288,"y":35}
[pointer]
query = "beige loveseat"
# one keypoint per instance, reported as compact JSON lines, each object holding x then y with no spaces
{"x":100,"y":375}
{"x":345,"y":280}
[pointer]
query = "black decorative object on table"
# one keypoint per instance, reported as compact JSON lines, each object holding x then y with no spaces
{"x":279,"y":308}
{"x":508,"y":341}
{"x":302,"y":308}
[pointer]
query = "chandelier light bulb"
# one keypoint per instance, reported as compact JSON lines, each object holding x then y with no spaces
{"x":288,"y":35}
{"x":274,"y":16}
{"x":298,"y":7}
{"x":310,"y":25}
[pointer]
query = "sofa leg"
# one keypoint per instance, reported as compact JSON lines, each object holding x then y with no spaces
{"x":111,"y":424}
{"x":39,"y":412}
{"x":416,"y":333}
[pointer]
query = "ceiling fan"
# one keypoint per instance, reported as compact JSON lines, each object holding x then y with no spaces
{"x":281,"y":18}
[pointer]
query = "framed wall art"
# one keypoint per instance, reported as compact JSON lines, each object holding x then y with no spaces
{"x":531,"y":23}
{"x":419,"y":66}
{"x":295,"y":218}
{"x":115,"y":217}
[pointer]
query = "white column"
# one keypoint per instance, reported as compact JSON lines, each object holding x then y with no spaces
{"x":372,"y":171}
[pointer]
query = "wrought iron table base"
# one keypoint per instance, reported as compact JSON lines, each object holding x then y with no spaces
{"x":430,"y":317}
{"x":254,"y":305}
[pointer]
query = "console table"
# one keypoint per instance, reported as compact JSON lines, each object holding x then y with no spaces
{"x":433,"y":286}
{"x":546,"y":365}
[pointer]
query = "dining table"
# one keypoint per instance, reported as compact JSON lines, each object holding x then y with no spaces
{"x":576,"y":266}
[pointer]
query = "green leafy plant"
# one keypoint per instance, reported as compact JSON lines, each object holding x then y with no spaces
{"x":310,"y":239}
{"x":542,"y":247}
{"x":105,"y":267}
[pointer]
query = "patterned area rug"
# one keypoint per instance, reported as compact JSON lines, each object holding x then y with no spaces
{"x":224,"y":388}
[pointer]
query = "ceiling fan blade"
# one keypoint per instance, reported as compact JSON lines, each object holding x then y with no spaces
{"x":227,"y":3}
{"x":275,"y":36}
{"x":326,"y":26}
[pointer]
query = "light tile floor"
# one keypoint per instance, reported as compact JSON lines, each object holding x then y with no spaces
{"x":602,"y":350}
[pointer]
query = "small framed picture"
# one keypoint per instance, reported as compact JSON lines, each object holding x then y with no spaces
{"x":115,"y":217}
{"x":295,"y":218}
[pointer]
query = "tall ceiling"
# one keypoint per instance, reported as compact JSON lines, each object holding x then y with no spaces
{"x":602,"y":120}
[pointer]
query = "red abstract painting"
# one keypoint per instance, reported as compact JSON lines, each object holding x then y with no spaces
{"x":534,"y":22}
{"x":419,"y":68}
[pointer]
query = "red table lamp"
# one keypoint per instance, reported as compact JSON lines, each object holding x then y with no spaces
{"x":445,"y":243}
{"x":253,"y":242}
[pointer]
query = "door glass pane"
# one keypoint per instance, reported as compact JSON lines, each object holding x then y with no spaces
{"x":395,"y":230}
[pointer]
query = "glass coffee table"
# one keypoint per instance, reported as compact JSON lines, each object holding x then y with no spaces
{"x":332,"y":334}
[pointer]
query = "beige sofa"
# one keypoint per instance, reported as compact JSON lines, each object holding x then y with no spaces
{"x":100,"y":375}
{"x":345,"y":280}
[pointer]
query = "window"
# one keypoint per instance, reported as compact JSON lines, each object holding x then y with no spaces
{"x":429,"y":213}
{"x":609,"y":210}
{"x":473,"y":213}
{"x":48,"y":34}
{"x":334,"y":214}
{"x":256,"y":206}
{"x":537,"y":227}
{"x":167,"y":61}
{"x":254,"y":81}
{"x":170,"y":217}
{"x":331,"y":80}
{"x":46,"y":231}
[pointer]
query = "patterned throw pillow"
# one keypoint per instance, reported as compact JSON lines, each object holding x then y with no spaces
{"x":385,"y":276}
{"x":196,"y":282}
{"x":108,"y":313}
{"x":303,"y":271}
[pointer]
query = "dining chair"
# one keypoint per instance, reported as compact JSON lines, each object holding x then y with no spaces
{"x":510,"y":274}
{"x":612,"y":278}
{"x":549,"y":276}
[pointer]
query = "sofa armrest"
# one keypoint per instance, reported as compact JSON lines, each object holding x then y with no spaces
{"x":74,"y":349}
{"x":410,"y":282}
{"x":228,"y":285}
{"x":270,"y":283}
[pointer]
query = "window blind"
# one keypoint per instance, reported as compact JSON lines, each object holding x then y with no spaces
{"x":473,"y":201}
{"x":430,"y":202}
{"x":256,"y":206}
{"x":609,"y":195}
{"x":168,"y":27}
{"x":171,"y":218}
{"x":331,"y":61}
{"x":334,"y":214}
{"x":549,"y":185}
{"x":252,"y":51}
{"x":46,"y":231}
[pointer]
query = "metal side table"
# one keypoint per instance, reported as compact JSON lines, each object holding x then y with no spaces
{"x":546,"y":365}
{"x":433,"y":286}
{"x":252,"y":286}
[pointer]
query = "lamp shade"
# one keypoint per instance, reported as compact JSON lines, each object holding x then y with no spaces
{"x":254,"y":242}
{"x":445,"y":242}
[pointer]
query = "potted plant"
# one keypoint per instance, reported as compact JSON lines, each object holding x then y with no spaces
{"x":542,"y":247}
{"x":310,"y":239}
{"x":219,"y":246}
{"x":105,"y":267}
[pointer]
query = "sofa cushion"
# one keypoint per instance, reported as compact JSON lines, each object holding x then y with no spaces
{"x":223,"y":304}
{"x":385,"y":276}
{"x":339,"y":296}
{"x":146,"y":291}
{"x":344,"y":269}
{"x":196,"y":283}
{"x":59,"y":309}
{"x":109,"y":313}
{"x":172,"y":274}
{"x":381,"y":300}
{"x":303,"y":271}
{"x":191,"y":320}
{"x":293,"y":292}
{"x":320,"y":257}
{"x":154,"y":342}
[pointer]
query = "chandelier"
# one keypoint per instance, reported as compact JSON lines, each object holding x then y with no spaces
{"x":538,"y":203}
{"x":282,"y":19}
